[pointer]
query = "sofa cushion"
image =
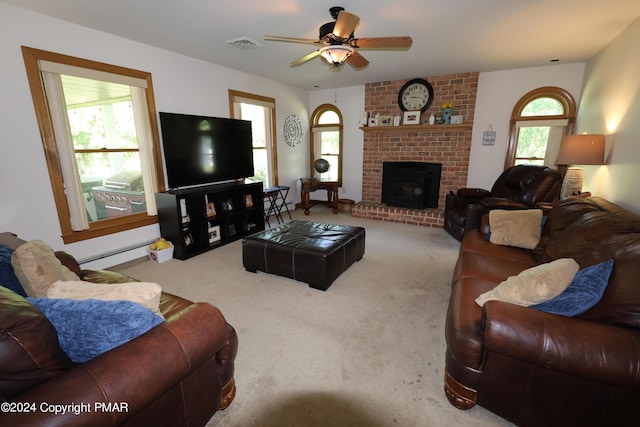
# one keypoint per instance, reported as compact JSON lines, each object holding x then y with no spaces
{"x":519,"y":228}
{"x":144,"y":293}
{"x":37,"y":267}
{"x":8,"y":278}
{"x":584,"y":291}
{"x":29,"y":349}
{"x":88,"y":328}
{"x":534,"y":285}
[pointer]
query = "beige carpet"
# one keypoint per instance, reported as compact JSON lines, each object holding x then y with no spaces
{"x":367,"y":352}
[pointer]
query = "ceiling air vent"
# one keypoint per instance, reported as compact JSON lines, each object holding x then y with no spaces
{"x":244,"y":43}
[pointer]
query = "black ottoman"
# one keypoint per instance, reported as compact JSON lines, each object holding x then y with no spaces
{"x":311,"y":252}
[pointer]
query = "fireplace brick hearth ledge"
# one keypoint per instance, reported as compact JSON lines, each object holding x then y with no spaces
{"x":382,"y":212}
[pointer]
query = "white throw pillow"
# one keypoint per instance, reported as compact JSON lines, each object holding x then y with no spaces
{"x":520,"y":228}
{"x":144,"y":293}
{"x":534,"y":285}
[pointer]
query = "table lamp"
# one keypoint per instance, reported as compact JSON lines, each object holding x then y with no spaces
{"x":584,"y":149}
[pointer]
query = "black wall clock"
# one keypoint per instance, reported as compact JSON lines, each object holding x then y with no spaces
{"x":416,"y":94}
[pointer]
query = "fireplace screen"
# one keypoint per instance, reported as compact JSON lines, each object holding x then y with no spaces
{"x":413,"y":185}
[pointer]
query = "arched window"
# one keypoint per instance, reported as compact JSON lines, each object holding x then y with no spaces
{"x":539,"y":121}
{"x":326,"y":141}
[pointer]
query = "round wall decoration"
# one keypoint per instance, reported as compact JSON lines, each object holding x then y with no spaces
{"x":292,"y":130}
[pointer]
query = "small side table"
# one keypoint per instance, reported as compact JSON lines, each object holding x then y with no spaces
{"x":312,"y":184}
{"x":277,"y":203}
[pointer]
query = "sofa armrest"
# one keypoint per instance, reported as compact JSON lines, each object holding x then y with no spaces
{"x":132,"y":375}
{"x":475,"y":212}
{"x":473,"y":193}
{"x":105,"y":276}
{"x":465,"y":196}
{"x":595,"y":351}
{"x":502,"y":203}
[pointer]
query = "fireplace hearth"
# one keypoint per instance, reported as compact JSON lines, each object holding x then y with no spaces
{"x":414,"y":185}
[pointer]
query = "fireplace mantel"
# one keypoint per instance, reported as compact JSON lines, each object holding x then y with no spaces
{"x":409,"y":128}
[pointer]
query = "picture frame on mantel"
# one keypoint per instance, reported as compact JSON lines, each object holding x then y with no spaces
{"x":386,"y":121}
{"x":411,"y":118}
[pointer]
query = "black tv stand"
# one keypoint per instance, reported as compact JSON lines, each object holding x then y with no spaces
{"x":202,"y":218}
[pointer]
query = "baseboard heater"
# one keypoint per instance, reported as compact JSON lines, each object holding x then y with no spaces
{"x":115,"y":252}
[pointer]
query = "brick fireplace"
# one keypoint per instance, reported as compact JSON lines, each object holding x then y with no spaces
{"x":449,"y":145}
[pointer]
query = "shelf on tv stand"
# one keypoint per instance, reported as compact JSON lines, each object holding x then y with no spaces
{"x":187,"y":222}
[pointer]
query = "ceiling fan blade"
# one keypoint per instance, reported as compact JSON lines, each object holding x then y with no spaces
{"x":304,"y":59}
{"x":357,"y":61}
{"x":399,"y":42}
{"x":345,"y":25}
{"x":292,"y":40}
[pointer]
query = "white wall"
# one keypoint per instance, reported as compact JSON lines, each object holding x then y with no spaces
{"x":181,"y":84}
{"x":498,"y":93}
{"x":350,"y":102}
{"x":611,"y":105}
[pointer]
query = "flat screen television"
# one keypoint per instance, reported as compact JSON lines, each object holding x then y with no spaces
{"x":204,"y":150}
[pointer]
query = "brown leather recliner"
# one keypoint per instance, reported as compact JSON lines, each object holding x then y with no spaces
{"x":518,"y":187}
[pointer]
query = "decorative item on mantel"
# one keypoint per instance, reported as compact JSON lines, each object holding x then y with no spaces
{"x":364,"y":120}
{"x":447,"y":111}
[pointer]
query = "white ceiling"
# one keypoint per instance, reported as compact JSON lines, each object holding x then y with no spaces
{"x":449,"y":36}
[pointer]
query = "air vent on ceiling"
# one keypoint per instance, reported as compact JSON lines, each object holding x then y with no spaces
{"x":244,"y":43}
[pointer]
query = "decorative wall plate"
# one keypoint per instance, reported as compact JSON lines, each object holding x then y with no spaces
{"x":292,"y":130}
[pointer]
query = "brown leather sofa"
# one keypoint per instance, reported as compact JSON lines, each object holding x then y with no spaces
{"x":535,"y":368}
{"x":177,"y":374}
{"x":518,"y":187}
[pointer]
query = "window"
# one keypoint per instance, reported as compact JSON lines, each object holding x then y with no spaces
{"x":539,"y":121}
{"x":261,"y":112}
{"x":326,"y":141}
{"x":99,"y":132}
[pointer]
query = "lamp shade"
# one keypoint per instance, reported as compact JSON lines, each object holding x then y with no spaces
{"x":582,"y":149}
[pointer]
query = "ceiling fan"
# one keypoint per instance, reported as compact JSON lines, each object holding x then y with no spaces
{"x":337,"y":43}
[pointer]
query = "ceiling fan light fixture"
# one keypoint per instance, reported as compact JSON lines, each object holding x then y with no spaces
{"x":336,"y":55}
